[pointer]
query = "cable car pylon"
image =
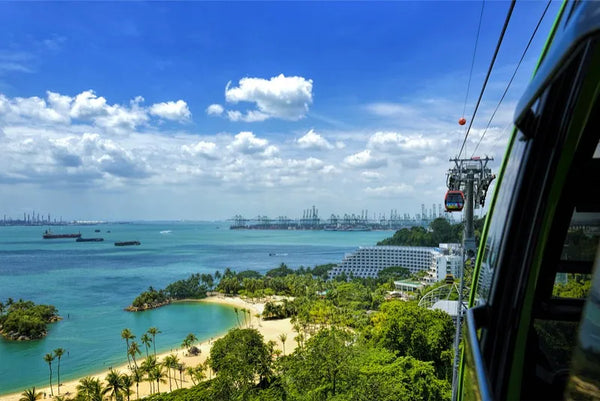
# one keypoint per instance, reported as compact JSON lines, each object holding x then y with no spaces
{"x":468,"y":182}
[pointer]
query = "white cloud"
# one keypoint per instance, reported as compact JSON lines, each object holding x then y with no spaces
{"x":245,"y":142}
{"x":390,"y":190}
{"x":282,"y":97}
{"x":371,"y":175}
{"x":177,"y":111}
{"x":201,"y":148}
{"x":87,"y":105}
{"x":214,"y":110}
{"x":391,"y":109}
{"x":393,"y":141}
{"x":313,"y":141}
{"x":364,"y":159}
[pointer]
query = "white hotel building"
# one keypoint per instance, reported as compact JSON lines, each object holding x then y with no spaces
{"x":369,"y":261}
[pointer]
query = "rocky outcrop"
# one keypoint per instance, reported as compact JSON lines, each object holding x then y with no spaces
{"x":144,"y":307}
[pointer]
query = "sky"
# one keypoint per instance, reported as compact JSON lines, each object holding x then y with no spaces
{"x":206,"y":110}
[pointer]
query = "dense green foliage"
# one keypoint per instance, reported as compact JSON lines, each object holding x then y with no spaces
{"x":440,"y":231}
{"x":194,"y":286}
{"x":25,"y":318}
{"x":352,"y":344}
{"x":151,"y":297}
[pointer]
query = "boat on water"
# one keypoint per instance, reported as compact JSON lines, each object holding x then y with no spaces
{"x":49,"y":235}
{"x":80,"y":239}
{"x":127,"y":243}
{"x":96,"y":231}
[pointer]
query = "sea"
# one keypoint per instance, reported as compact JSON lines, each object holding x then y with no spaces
{"x":92,"y":282}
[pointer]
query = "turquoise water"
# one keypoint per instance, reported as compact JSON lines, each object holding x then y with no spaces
{"x":91,"y":282}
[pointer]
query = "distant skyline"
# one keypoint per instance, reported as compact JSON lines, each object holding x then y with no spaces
{"x":201,"y":111}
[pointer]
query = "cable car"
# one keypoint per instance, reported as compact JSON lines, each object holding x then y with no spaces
{"x":454,"y":201}
{"x":532,"y":328}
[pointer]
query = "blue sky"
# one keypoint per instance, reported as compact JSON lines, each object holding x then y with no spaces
{"x":205,"y":110}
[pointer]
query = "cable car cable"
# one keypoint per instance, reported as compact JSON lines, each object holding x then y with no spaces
{"x":513,"y":76}
{"x":473,"y":60}
{"x":487,"y":77}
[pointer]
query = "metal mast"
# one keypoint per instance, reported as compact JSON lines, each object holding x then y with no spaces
{"x":473,"y":178}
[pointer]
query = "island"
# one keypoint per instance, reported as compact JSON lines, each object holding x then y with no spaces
{"x":24,"y":320}
{"x":194,"y":287}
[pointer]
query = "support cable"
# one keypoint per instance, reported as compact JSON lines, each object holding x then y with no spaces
{"x":513,"y":76}
{"x":473,"y":60}
{"x":487,"y":77}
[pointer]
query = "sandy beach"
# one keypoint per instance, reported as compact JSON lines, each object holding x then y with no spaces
{"x":270,"y":329}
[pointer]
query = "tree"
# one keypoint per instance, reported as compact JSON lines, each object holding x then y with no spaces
{"x":153,"y":331}
{"x":137,"y":376}
{"x":237,"y":359}
{"x":158,"y":374}
{"x":196,"y":374}
{"x":127,"y":383}
{"x":114,"y":385}
{"x":148,"y":367}
{"x":146,"y":340}
{"x":127,"y":335}
{"x":189,"y":341}
{"x":30,"y":395}
{"x":59,"y":352}
{"x":181,"y":369}
{"x":134,"y":349}
{"x":89,"y":389}
{"x":283,"y":337}
{"x":170,"y":362}
{"x":49,"y":358}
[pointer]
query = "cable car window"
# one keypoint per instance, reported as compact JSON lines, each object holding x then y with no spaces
{"x":499,"y":218}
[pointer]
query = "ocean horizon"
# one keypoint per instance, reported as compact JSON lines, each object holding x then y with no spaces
{"x":92,"y":282}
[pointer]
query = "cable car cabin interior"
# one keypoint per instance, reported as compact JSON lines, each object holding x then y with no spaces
{"x":454,"y":201}
{"x":533,"y":331}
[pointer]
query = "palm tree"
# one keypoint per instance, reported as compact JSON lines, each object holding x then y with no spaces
{"x":133,"y":350}
{"x":114,"y":384}
{"x":147,"y":367}
{"x":158,"y":374}
{"x":127,"y":383}
{"x":89,"y":389}
{"x":137,"y":376}
{"x":153,"y":331}
{"x":181,"y":369}
{"x":127,"y":335}
{"x":236,"y":316}
{"x":59,"y":352}
{"x":30,"y":395}
{"x":196,"y":374}
{"x":283,"y":337}
{"x":171,"y":362}
{"x":146,"y":340}
{"x":189,"y":341}
{"x":49,"y":358}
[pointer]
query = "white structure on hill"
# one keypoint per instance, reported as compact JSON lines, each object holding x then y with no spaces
{"x":369,"y":261}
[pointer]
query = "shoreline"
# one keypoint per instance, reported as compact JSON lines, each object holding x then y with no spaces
{"x":270,"y":329}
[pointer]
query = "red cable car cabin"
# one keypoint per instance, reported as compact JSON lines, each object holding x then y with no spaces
{"x":454,"y":201}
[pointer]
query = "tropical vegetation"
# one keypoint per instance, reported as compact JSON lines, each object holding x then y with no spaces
{"x":24,"y":320}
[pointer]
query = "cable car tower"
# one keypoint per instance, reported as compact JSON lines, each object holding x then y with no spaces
{"x":469,"y":178}
{"x":468,"y":182}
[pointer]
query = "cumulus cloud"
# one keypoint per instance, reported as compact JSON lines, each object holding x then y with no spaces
{"x":201,"y":148}
{"x":247,"y":143}
{"x":371,"y":175}
{"x":313,"y":141}
{"x":390,"y":190}
{"x":286,"y":98}
{"x":393,"y":141}
{"x":364,"y":159}
{"x":215,"y":110}
{"x":87,"y":107}
{"x":384,"y":109}
{"x":176,"y":111}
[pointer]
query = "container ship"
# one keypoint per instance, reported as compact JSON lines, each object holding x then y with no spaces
{"x":49,"y":235}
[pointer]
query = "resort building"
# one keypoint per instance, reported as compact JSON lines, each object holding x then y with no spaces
{"x":369,"y":261}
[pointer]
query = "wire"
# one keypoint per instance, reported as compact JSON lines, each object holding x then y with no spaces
{"x":513,"y":75}
{"x":487,"y":77}
{"x":473,"y":60}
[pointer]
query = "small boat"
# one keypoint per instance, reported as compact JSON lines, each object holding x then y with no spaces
{"x":48,"y":235}
{"x":127,"y":243}
{"x":80,"y":239}
{"x":96,"y":231}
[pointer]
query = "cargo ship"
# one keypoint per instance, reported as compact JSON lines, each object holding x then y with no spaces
{"x":48,"y":235}
{"x":80,"y":239}
{"x":127,"y":243}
